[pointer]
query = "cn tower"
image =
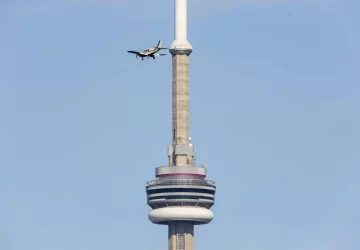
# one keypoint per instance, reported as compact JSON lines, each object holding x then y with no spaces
{"x":180,"y":196}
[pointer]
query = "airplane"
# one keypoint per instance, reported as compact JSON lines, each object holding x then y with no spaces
{"x":148,"y":52}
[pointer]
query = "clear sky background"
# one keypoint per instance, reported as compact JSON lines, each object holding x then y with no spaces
{"x":275,"y":116}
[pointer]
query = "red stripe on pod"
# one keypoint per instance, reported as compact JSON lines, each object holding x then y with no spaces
{"x":181,"y":174}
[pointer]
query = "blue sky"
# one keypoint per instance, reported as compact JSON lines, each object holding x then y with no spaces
{"x":275,"y":116}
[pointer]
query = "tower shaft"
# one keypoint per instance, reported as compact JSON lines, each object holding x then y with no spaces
{"x":180,"y":106}
{"x":181,"y":235}
{"x":180,"y":196}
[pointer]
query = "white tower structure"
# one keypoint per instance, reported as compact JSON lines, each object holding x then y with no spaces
{"x":180,"y":196}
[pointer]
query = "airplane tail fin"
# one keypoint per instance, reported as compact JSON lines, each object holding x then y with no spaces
{"x":159,"y":44}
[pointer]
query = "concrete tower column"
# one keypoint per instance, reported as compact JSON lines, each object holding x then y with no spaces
{"x":180,"y":196}
{"x":180,"y":105}
{"x":181,"y":235}
{"x":181,"y":154}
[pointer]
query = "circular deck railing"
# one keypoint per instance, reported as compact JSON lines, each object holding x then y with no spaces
{"x":186,"y":182}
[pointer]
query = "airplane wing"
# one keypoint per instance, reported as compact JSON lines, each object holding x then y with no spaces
{"x":133,"y":52}
{"x":160,"y":54}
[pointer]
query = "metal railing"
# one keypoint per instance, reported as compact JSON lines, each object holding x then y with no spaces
{"x":196,"y":166}
{"x":161,"y":204}
{"x":187,"y":182}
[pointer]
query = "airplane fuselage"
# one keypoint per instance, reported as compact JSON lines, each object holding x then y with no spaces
{"x":151,"y":52}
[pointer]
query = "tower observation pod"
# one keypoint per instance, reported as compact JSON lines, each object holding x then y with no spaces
{"x":181,"y":196}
